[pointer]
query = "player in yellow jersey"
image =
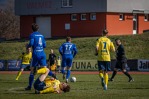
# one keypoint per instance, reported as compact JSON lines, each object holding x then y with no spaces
{"x":58,"y":64}
{"x":103,"y":48}
{"x":26,"y":59}
{"x":45,"y":85}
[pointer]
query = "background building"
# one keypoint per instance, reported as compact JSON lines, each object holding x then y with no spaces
{"x":59,"y":18}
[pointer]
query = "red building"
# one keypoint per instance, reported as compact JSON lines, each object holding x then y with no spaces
{"x":78,"y":18}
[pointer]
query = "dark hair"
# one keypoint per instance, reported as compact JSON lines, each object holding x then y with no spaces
{"x":117,"y":39}
{"x":67,"y":88}
{"x":35,"y":27}
{"x":105,"y":31}
{"x":68,"y":39}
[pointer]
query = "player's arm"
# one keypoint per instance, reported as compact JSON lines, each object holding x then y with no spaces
{"x":31,"y":42}
{"x":97,"y":48}
{"x":61,"y":50}
{"x":75,"y":51}
{"x":44,"y":43}
{"x":19,"y":58}
{"x":112,"y":48}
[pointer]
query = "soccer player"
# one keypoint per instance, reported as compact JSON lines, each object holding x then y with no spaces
{"x":103,"y":48}
{"x":52,"y":60}
{"x":45,"y":85}
{"x":26,"y":59}
{"x":121,"y":62}
{"x":58,"y":64}
{"x":38,"y":43}
{"x":68,"y":51}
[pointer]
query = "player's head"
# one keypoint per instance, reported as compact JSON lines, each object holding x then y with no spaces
{"x":118,"y":42}
{"x":52,"y":51}
{"x":35,"y":27}
{"x":65,"y":87}
{"x":28,"y":50}
{"x":68,"y":39}
{"x":105,"y":32}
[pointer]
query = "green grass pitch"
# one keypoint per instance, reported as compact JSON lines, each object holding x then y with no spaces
{"x":86,"y":87}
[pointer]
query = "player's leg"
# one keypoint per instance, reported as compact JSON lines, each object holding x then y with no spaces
{"x":117,"y":66}
{"x":69,"y":64}
{"x":39,"y":84}
{"x":101,"y":73}
{"x":34,"y":63}
{"x":63,"y":68}
{"x":124,"y":66}
{"x":20,"y":71}
{"x":113,"y":74}
{"x":106,"y":77}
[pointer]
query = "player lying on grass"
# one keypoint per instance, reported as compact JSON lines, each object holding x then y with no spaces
{"x":45,"y":85}
{"x":26,"y":59}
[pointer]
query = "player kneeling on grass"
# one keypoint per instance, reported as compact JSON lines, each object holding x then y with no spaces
{"x":45,"y":85}
{"x":26,"y":59}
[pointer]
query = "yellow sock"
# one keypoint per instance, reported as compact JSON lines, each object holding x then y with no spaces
{"x":100,"y":74}
{"x":42,"y":71}
{"x":106,"y":79}
{"x":18,"y":75}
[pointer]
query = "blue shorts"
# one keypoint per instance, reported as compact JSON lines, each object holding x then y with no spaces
{"x":67,"y":61}
{"x":104,"y":65}
{"x":38,"y":85}
{"x":24,"y":66}
{"x":39,"y":59}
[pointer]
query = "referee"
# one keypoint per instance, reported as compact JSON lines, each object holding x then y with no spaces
{"x":121,"y":62}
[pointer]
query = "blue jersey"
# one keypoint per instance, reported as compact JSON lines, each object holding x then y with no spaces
{"x":68,"y":50}
{"x":37,"y":42}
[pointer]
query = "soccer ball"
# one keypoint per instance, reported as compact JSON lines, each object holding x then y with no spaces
{"x":73,"y":79}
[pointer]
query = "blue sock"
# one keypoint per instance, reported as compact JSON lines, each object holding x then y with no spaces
{"x":63,"y":71}
{"x":68,"y":74}
{"x":31,"y":80}
{"x":50,"y":73}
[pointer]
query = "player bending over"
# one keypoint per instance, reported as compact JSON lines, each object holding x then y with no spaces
{"x":68,"y":51}
{"x":26,"y":59}
{"x":121,"y":62}
{"x":45,"y":85}
{"x":103,"y":48}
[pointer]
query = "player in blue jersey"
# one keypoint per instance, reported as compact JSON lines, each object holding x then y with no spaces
{"x":38,"y":43}
{"x":68,"y":51}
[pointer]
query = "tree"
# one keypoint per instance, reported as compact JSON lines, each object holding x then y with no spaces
{"x":9,"y":23}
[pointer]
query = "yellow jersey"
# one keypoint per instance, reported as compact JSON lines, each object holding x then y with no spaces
{"x":25,"y":57}
{"x":104,"y":46}
{"x":58,"y":62}
{"x":53,"y":86}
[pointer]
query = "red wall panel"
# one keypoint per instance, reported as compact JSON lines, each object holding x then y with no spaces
{"x":142,"y":25}
{"x":77,"y":28}
{"x":119,"y":27}
{"x":25,"y":26}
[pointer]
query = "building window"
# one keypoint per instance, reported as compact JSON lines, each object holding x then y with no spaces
{"x":146,"y":17}
{"x":83,"y":16}
{"x":73,"y":17}
{"x":67,"y":3}
{"x":93,"y":16}
{"x":121,"y":17}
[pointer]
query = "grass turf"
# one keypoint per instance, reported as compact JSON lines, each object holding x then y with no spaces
{"x":136,"y":46}
{"x":86,"y":87}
